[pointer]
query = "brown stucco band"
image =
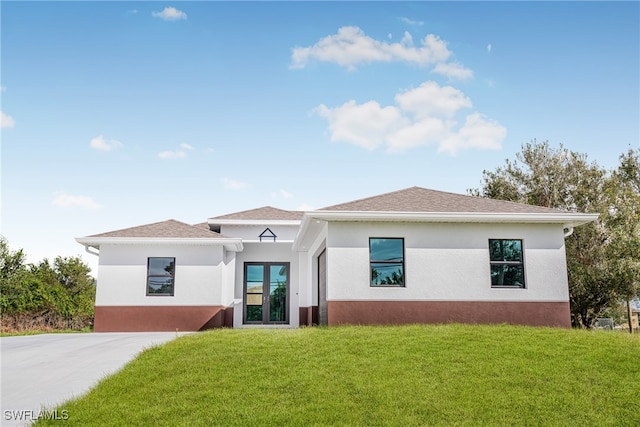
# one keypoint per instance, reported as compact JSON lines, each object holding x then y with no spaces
{"x":402,"y":312}
{"x":160,"y":318}
{"x":308,"y":315}
{"x":304,"y":314}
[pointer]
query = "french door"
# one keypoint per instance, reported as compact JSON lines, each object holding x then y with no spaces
{"x":266,"y":293}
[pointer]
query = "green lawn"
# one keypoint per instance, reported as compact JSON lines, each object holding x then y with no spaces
{"x":406,"y":376}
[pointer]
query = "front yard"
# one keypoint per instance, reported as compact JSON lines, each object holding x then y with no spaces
{"x":408,"y":375}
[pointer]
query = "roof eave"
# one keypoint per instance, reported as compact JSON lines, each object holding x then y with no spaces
{"x":567,"y":219}
{"x":231,"y":244}
{"x":289,"y":222}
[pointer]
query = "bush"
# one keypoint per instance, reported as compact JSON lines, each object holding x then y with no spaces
{"x":44,"y":296}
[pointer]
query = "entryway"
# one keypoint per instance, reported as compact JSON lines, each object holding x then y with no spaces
{"x":266,"y":293}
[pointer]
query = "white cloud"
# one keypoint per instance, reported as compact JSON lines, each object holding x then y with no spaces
{"x":364,"y":125}
{"x":350,"y":47}
{"x":410,"y":21}
{"x":424,"y":132}
{"x":170,"y":14}
{"x":6,"y":121}
{"x":100,"y":143}
{"x":179,"y":153}
{"x":3,"y":88}
{"x":453,"y":70}
{"x":430,"y":99}
{"x":407,"y":39}
{"x":169,"y":154}
{"x":64,"y":200}
{"x":232,"y":184}
{"x":477,"y":132}
{"x":489,"y":47}
{"x":426,"y":115}
{"x":282,"y":193}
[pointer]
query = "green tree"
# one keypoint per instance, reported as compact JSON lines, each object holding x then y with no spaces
{"x":599,"y":259}
{"x":44,"y":295}
{"x":13,"y":275}
{"x":622,"y":219}
{"x":74,"y":276}
{"x":12,"y":263}
{"x":545,"y":176}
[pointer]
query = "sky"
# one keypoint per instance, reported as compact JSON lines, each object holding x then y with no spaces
{"x":118,"y":114}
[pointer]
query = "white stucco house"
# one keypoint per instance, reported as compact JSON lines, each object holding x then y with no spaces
{"x":410,"y":256}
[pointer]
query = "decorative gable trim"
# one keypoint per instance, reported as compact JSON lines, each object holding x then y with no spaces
{"x":267,"y":234}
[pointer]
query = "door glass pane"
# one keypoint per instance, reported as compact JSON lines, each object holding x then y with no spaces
{"x":277,"y":293}
{"x":254,"y":313}
{"x":255,"y":274}
{"x":253,"y":298}
{"x":255,"y":279}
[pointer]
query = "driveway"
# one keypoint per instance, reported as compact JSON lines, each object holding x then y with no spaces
{"x":45,"y":370}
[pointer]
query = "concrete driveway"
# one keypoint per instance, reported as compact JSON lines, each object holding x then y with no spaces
{"x":45,"y":370}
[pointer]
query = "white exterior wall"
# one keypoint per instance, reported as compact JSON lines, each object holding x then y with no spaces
{"x":122,"y":275}
{"x":309,"y":259}
{"x":303,"y":279}
{"x":253,"y":232}
{"x":228,"y":278}
{"x":267,"y":252}
{"x":446,"y":262}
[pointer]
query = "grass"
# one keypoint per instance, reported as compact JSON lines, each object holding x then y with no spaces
{"x":375,"y":376}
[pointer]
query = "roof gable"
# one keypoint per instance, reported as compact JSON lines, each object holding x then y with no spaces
{"x":267,"y":213}
{"x":164,"y":229}
{"x":418,"y":199}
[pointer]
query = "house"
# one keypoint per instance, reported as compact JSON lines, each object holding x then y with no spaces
{"x":410,"y":256}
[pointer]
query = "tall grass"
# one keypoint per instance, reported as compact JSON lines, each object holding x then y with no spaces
{"x":409,"y":375}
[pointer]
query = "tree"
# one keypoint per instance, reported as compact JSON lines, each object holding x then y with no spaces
{"x":44,"y":295}
{"x":13,"y":272}
{"x":546,"y":176}
{"x":622,"y":219}
{"x":600,"y":255}
{"x":12,"y":263}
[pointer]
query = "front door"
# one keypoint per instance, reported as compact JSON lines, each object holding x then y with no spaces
{"x":266,"y":292}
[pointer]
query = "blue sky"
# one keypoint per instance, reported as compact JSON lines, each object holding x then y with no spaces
{"x":116,"y":114}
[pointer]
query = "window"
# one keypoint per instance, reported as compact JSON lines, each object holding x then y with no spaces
{"x":386,"y":258}
{"x":160,"y":276}
{"x":507,"y":265}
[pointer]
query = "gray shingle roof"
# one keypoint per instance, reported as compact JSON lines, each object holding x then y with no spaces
{"x":204,"y":225}
{"x":418,"y":199}
{"x":165,"y":229}
{"x":263,"y":213}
